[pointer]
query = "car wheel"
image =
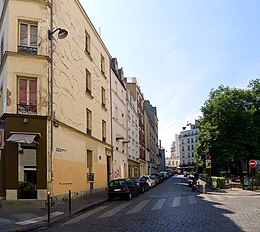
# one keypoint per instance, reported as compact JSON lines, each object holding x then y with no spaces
{"x":110,"y":198}
{"x":137,"y":193}
{"x":129,"y":197}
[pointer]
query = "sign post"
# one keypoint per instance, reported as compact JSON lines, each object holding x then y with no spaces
{"x":252,"y":163}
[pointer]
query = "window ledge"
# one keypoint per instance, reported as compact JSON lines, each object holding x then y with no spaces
{"x":89,"y":93}
{"x":104,"y":107}
{"x":88,"y":54}
{"x":103,"y":74}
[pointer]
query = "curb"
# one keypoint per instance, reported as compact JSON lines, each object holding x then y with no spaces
{"x":59,"y":219}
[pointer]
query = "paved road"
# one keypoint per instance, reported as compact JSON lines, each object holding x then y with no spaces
{"x":171,"y":206}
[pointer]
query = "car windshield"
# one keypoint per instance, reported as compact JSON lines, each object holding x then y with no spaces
{"x":117,"y":182}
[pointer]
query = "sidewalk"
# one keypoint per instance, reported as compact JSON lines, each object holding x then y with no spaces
{"x":232,"y":191}
{"x":30,"y":219}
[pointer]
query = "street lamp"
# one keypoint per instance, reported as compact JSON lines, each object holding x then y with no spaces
{"x":62,"y":33}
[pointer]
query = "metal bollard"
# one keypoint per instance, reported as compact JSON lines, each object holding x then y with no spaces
{"x":69,"y":201}
{"x":49,"y":206}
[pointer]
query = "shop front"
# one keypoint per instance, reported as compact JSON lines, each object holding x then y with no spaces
{"x":24,"y":160}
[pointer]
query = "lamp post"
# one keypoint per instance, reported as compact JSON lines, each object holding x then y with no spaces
{"x":62,"y":33}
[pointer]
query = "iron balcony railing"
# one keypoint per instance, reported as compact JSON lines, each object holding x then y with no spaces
{"x":26,"y":109}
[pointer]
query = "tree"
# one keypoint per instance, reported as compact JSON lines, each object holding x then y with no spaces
{"x":229,"y":128}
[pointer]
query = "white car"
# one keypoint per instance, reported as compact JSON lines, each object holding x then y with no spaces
{"x":150,"y":181}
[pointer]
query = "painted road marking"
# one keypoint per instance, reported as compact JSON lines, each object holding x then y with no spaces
{"x":192,"y":199}
{"x":114,"y":211}
{"x":85,"y":215}
{"x":139,"y":207}
{"x":39,"y":219}
{"x":159,"y":204}
{"x":176,"y":201}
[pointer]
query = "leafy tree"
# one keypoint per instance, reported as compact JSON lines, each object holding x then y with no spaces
{"x":229,"y":128}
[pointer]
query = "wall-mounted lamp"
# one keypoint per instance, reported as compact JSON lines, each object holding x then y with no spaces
{"x":61,"y":34}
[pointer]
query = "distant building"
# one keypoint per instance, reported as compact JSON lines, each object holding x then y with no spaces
{"x":151,"y":137}
{"x":161,"y":166}
{"x":187,"y":142}
{"x":173,"y":162}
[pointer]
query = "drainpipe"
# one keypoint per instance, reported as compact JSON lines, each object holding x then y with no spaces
{"x":51,"y":99}
{"x":111,"y":120}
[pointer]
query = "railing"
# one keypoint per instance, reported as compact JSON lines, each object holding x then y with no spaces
{"x":26,"y":109}
{"x":27,"y":50}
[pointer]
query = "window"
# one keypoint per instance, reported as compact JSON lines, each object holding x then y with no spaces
{"x":192,"y":140}
{"x":116,"y":87}
{"x":102,"y":64}
{"x":122,"y":95}
{"x":2,"y":50}
{"x":89,"y":162}
{"x":192,"y":147}
{"x":88,"y":81}
{"x":116,"y":113}
{"x":87,"y":42}
{"x":28,"y":38}
{"x":188,"y":140}
{"x":27,"y":102}
{"x":123,"y":119}
{"x":103,"y":97}
{"x":88,"y":121}
{"x":103,"y":131}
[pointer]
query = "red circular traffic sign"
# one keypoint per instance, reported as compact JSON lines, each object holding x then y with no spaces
{"x":252,"y":163}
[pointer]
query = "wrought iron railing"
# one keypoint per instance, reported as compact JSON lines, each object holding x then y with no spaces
{"x":26,"y":109}
{"x":27,"y":50}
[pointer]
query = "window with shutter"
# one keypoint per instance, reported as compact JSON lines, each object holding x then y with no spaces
{"x":27,"y":102}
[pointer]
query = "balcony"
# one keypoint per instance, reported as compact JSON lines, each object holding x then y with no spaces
{"x":27,"y":50}
{"x":26,"y":109}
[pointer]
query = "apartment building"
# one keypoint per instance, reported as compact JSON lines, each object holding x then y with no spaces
{"x":151,"y":137}
{"x":187,"y":143}
{"x":119,"y":122}
{"x":173,"y":162}
{"x":136,"y":92}
{"x":55,"y":101}
{"x":133,"y":134}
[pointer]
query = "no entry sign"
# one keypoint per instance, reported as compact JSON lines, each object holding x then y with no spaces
{"x":252,"y":163}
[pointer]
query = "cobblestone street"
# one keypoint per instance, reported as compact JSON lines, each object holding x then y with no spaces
{"x":171,"y":206}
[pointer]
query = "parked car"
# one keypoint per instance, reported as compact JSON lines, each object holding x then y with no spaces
{"x":122,"y":188}
{"x":156,"y":178}
{"x":165,"y":174}
{"x":150,"y":181}
{"x":143,"y":185}
{"x":161,"y":177}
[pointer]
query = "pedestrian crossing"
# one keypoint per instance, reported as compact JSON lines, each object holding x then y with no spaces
{"x":153,"y":204}
{"x":150,"y":204}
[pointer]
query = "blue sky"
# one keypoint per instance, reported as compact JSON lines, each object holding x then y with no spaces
{"x":180,"y":49}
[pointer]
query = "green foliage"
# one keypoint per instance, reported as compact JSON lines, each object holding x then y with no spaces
{"x":229,"y":129}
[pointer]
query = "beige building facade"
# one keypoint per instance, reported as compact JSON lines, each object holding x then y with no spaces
{"x":151,"y":138}
{"x":119,"y":122}
{"x":133,"y":134}
{"x":58,"y":95}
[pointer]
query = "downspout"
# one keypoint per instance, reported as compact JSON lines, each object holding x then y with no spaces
{"x":51,"y":101}
{"x":111,"y":122}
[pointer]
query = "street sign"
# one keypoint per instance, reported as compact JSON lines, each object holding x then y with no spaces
{"x":208,"y":163}
{"x":252,"y":163}
{"x":208,"y":157}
